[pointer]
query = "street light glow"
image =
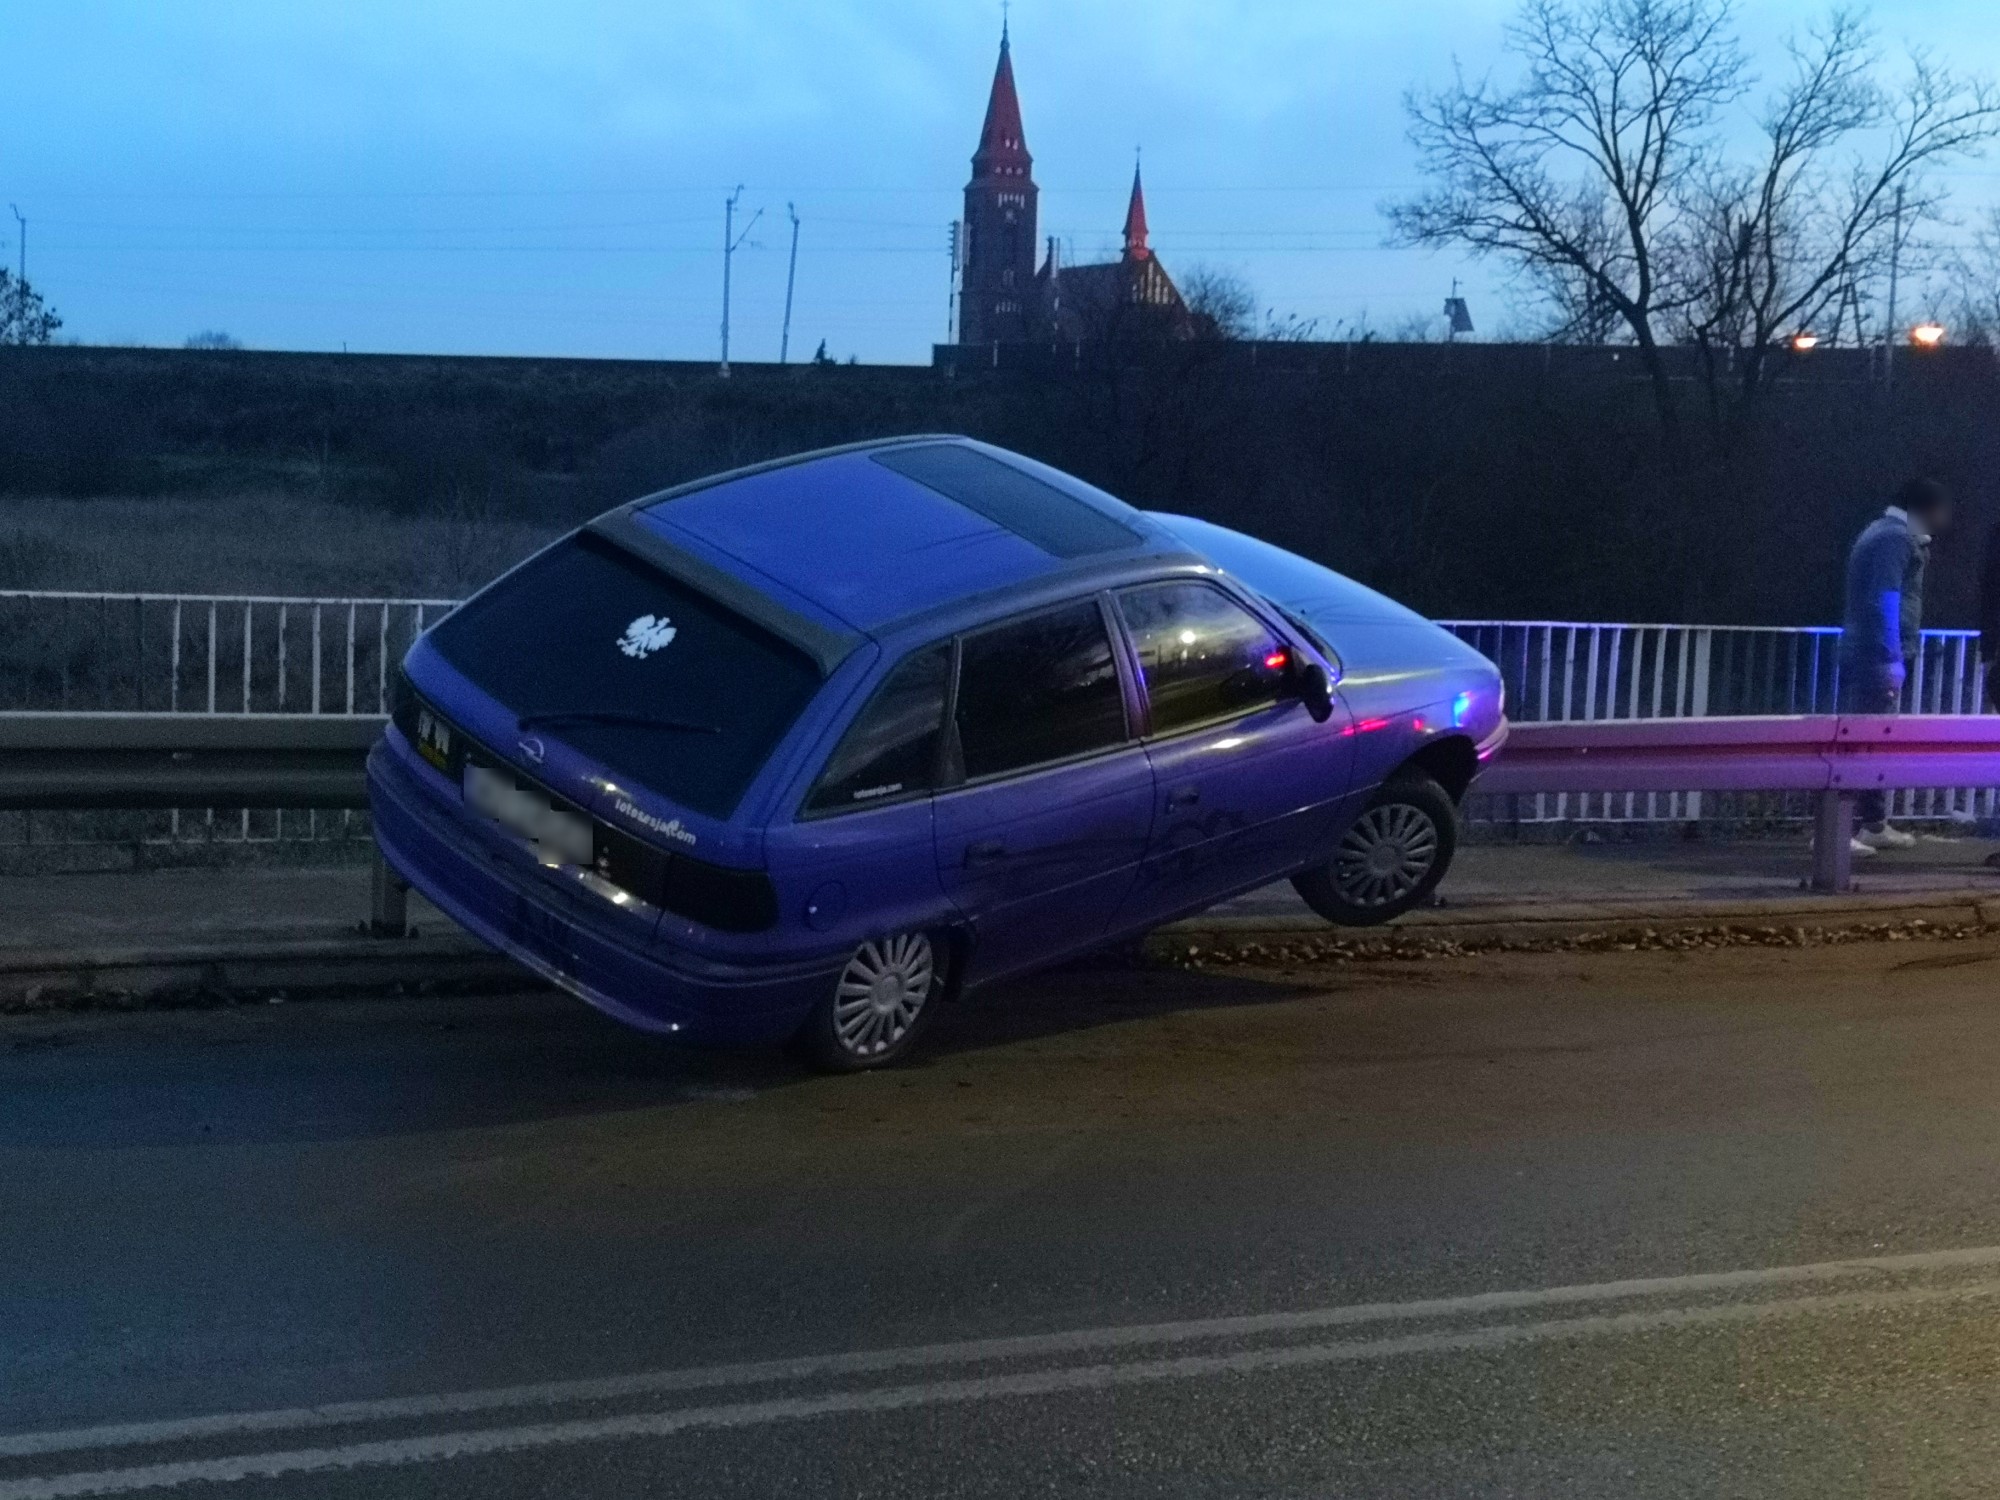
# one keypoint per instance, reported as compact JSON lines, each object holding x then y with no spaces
{"x":1928,"y":334}
{"x":1805,"y":339}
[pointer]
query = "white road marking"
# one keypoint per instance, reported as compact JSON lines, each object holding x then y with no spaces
{"x":481,"y":1442}
{"x":1023,"y":1346}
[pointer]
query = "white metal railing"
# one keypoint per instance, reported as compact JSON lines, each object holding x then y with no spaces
{"x":204,"y":653}
{"x":1561,"y":669}
{"x":1558,"y":669}
{"x":201,"y":653}
{"x":220,"y":653}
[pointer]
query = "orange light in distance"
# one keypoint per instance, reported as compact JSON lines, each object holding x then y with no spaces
{"x":1804,"y":340}
{"x":1927,"y":335}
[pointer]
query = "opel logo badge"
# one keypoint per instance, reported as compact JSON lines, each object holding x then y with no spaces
{"x":533,"y":749}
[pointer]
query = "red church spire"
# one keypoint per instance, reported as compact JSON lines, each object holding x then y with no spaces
{"x":1135,"y":221}
{"x":1003,"y":150}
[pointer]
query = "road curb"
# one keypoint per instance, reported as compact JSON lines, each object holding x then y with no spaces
{"x":349,"y":962}
{"x":109,"y":978}
{"x":1564,"y":923}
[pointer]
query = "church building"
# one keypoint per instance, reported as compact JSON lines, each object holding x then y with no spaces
{"x":1004,"y":297}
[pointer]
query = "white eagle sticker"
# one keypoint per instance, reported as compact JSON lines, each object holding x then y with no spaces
{"x":647,"y":634}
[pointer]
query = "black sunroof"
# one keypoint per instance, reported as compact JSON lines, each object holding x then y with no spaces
{"x":1036,"y":512}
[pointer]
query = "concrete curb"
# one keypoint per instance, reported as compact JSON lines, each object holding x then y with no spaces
{"x":1561,"y":922}
{"x":108,"y":978}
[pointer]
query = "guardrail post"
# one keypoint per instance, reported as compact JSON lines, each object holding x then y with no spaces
{"x":389,"y":905}
{"x":1833,"y":842}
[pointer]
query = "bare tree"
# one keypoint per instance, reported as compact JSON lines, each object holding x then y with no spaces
{"x":212,"y":338}
{"x":1605,"y":178}
{"x":24,"y":317}
{"x":1572,"y":307}
{"x":1570,"y":173}
{"x":1220,"y":303}
{"x":1975,"y":279}
{"x":1768,"y":248}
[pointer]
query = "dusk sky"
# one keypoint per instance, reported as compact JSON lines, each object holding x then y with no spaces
{"x":517,"y":178}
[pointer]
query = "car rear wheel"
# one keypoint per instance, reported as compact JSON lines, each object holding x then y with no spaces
{"x":877,"y":1006}
{"x":1390,"y":858}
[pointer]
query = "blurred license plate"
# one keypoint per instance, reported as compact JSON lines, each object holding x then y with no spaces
{"x":561,"y":835}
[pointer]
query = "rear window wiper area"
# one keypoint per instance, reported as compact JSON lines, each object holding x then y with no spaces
{"x":613,"y":716}
{"x":574,"y":637}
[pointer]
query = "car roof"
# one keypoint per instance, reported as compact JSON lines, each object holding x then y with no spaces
{"x":878,"y":532}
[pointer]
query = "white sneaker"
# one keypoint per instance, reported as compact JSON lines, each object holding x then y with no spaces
{"x":1859,"y":849}
{"x":1888,"y":836}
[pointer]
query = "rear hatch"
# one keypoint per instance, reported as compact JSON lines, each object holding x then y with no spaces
{"x":613,"y":716}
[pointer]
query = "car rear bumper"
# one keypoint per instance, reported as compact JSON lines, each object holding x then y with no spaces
{"x":463,"y":872}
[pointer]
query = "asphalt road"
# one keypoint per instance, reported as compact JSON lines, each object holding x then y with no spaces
{"x":1597,"y":1225}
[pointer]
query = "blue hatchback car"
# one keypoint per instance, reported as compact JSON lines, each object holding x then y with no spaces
{"x":795,"y":751}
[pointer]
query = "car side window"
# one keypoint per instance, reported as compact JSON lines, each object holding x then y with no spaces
{"x":891,"y":748}
{"x":1201,"y":654}
{"x":1038,"y":690}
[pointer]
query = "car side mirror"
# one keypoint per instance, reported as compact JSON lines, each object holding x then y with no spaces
{"x":1316,"y":691}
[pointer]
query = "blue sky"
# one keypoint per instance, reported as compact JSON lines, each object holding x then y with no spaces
{"x":507,"y":177}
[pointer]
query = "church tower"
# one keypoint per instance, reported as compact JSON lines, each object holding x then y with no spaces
{"x":997,"y":282}
{"x":1135,"y":222}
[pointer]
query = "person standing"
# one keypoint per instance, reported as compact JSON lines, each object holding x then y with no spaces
{"x":1883,"y":626}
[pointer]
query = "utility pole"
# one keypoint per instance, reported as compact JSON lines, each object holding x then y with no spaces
{"x":791,"y":276}
{"x":951,"y":291}
{"x":730,"y":240}
{"x":1895,"y":266}
{"x":21,"y":285}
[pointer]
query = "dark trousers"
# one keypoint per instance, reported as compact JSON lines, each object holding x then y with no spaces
{"x":1871,"y":688}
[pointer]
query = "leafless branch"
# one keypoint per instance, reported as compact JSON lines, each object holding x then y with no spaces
{"x":1604,"y":177}
{"x":1570,"y":174}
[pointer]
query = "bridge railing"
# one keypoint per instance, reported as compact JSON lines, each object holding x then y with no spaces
{"x":78,"y":652}
{"x":236,"y":653}
{"x":203,"y":653}
{"x":1562,"y":670}
{"x":219,"y":653}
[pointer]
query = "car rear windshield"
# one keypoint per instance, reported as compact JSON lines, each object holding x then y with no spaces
{"x":591,"y":646}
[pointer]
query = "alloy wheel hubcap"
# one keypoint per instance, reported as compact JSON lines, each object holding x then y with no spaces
{"x":881,"y":991}
{"x":1385,"y":855}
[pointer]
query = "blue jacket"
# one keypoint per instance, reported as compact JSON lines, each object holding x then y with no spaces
{"x":1884,"y":619}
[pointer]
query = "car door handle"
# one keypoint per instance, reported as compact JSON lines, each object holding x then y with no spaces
{"x":985,"y":853}
{"x":1186,"y":796}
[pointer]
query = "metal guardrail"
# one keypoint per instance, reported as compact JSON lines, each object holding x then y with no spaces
{"x":133,"y":760}
{"x":96,"y":760}
{"x":240,"y":654}
{"x":1836,"y":756}
{"x":142,"y":760}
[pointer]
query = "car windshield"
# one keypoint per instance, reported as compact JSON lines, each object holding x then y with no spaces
{"x":655,"y":680}
{"x":1302,"y":588}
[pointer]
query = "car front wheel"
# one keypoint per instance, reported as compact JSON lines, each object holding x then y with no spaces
{"x":877,"y":1006}
{"x":1390,"y":858}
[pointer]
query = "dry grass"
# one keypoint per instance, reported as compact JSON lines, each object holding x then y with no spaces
{"x":261,"y":544}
